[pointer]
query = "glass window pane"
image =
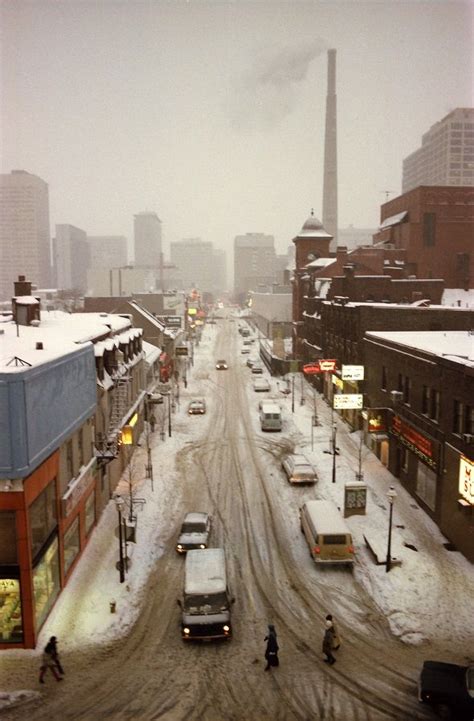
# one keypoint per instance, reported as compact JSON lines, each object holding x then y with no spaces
{"x":7,"y":537}
{"x":71,"y":544}
{"x":90,"y":512}
{"x":46,"y":582}
{"x":11,"y":630}
{"x":42,"y":513}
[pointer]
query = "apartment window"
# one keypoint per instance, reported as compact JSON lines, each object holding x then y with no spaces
{"x":80,"y":443}
{"x":384,"y":378}
{"x":425,"y":400}
{"x":434,"y":405}
{"x":406,"y":390}
{"x":469,"y":419}
{"x":69,"y":460}
{"x":429,"y":228}
{"x":457,"y":416}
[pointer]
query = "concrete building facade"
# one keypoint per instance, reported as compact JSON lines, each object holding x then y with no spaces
{"x":107,"y":251}
{"x":24,"y":231}
{"x":446,"y":155}
{"x":254,"y":262}
{"x":71,"y":258}
{"x":147,"y":240}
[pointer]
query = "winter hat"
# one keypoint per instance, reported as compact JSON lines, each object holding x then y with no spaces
{"x":271,"y":628}
{"x":328,"y":624}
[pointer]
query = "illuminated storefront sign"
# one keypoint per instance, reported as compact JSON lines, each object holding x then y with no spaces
{"x":352,"y":373}
{"x":327,"y":365}
{"x":336,"y":381}
{"x":348,"y":401}
{"x":423,"y":447}
{"x":466,"y":479}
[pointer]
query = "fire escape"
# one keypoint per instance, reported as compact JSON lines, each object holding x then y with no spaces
{"x":108,"y":443}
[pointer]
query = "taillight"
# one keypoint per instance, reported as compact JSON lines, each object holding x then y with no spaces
{"x":350,"y":549}
{"x":316,"y":549}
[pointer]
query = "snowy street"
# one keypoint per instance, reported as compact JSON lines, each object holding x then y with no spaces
{"x":133,"y":664}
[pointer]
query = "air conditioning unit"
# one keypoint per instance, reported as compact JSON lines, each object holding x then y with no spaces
{"x":467,"y":437}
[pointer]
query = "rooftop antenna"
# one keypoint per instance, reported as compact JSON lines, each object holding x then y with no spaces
{"x":387,"y":193}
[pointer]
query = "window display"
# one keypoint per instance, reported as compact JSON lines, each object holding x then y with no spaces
{"x":46,"y":582}
{"x":43,"y":518}
{"x":71,"y":544}
{"x":11,"y":630}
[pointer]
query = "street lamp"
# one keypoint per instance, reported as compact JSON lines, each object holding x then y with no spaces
{"x":334,"y":452}
{"x":119,"y":502}
{"x":391,"y":495}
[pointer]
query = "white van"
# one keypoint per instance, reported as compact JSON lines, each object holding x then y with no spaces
{"x":270,"y":416}
{"x":206,"y":599}
{"x":328,"y":536}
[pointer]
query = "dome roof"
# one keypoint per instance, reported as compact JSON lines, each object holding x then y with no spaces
{"x":312,"y":223}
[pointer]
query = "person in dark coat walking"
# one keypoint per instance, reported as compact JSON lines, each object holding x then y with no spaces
{"x":47,"y":661}
{"x":328,"y":643}
{"x":271,"y":652}
{"x":53,"y":642}
{"x":336,"y":638}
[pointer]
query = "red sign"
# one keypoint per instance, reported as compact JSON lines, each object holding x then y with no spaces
{"x":311,"y":368}
{"x":415,"y":441}
{"x":327,"y":365}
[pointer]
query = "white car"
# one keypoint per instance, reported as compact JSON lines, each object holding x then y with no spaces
{"x":261,"y":384}
{"x":194,"y":532}
{"x":298,"y":469}
{"x":256,"y":368}
{"x":197,"y":407}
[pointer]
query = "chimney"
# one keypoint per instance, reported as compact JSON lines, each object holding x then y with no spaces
{"x":22,"y":286}
{"x":330,"y":154}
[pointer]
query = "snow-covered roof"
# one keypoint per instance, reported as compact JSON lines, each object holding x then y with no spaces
{"x":326,"y":518}
{"x":320,"y":262}
{"x":205,"y":571}
{"x":152,"y":353}
{"x":393,"y":220}
{"x":17,"y":352}
{"x":26,"y":300}
{"x":458,"y":297}
{"x":457,"y":345}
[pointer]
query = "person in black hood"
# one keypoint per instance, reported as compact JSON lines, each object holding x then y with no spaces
{"x":271,"y":652}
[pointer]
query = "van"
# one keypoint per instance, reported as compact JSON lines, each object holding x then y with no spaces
{"x":206,"y":599}
{"x":328,"y":536}
{"x":270,"y":416}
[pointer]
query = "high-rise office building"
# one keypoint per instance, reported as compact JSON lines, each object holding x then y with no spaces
{"x":24,"y":231}
{"x":446,"y":156}
{"x":71,"y":257}
{"x":147,"y":240}
{"x":199,"y":265}
{"x":107,"y":251}
{"x":254,"y":261}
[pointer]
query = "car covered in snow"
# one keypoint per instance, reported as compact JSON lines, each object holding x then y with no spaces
{"x":448,"y":688}
{"x":195,"y":532}
{"x":257,"y":368}
{"x":197,"y":407}
{"x":261,"y":384}
{"x":298,"y":469}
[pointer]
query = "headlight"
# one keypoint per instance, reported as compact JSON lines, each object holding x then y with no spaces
{"x":202,"y":545}
{"x":226,"y":629}
{"x":179,"y":547}
{"x":186,"y":631}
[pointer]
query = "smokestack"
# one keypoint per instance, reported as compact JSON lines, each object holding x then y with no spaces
{"x":330,"y":154}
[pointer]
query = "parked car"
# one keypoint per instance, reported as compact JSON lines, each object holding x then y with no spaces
{"x":195,"y":532}
{"x":245,"y":350}
{"x":247,"y":342}
{"x":197,"y":407}
{"x":251,"y":361}
{"x":298,"y":469}
{"x":261,"y":384}
{"x":448,"y":688}
{"x":221,"y":365}
{"x":256,"y":368}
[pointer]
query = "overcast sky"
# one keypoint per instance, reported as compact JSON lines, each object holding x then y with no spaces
{"x":212,"y":113}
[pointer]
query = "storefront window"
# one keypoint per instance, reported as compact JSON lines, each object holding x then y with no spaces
{"x":90,"y":512}
{"x":426,"y":485}
{"x":11,"y":630}
{"x":71,"y":544}
{"x":43,"y":520}
{"x":46,"y":582}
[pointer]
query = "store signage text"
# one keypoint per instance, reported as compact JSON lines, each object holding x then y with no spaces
{"x":414,"y":441}
{"x":327,"y":365}
{"x":348,"y":401}
{"x":352,"y":373}
{"x":466,"y":479}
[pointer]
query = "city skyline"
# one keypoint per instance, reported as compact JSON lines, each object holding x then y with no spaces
{"x":212,"y":115}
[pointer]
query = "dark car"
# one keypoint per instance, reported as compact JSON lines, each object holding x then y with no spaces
{"x":221,"y":365}
{"x":448,"y":688}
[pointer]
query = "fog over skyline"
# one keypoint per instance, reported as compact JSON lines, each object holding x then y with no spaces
{"x":212,"y":114}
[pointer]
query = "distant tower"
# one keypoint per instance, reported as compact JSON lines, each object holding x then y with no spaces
{"x":330,"y":154}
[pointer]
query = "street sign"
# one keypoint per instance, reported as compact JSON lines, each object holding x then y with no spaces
{"x":348,"y":401}
{"x":352,"y":373}
{"x":311,"y":369}
{"x":327,"y":365}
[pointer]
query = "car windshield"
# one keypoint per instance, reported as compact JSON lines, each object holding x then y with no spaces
{"x":205,"y":604}
{"x":193,"y":528}
{"x":304,"y":471}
